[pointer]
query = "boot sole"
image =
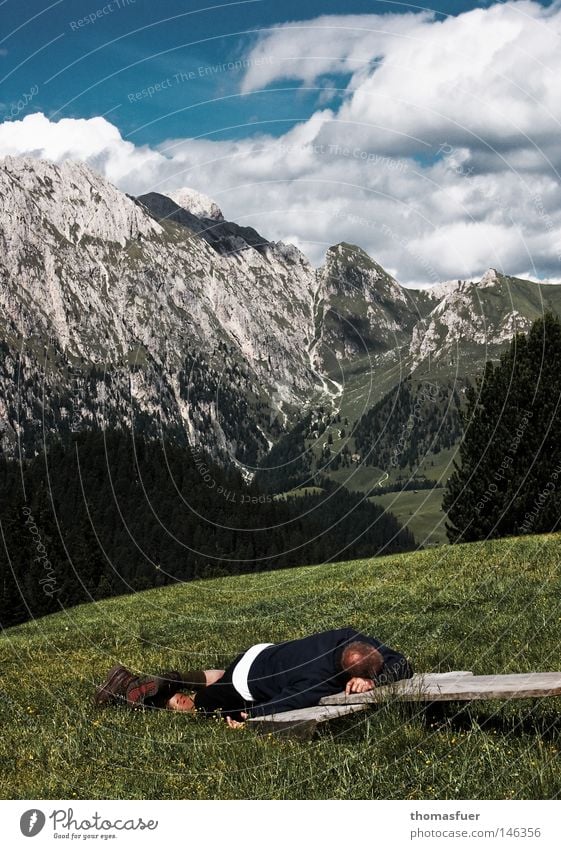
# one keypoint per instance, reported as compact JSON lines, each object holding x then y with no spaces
{"x":105,"y":693}
{"x":145,"y":690}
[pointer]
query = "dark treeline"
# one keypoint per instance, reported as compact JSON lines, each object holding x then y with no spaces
{"x":288,"y":465}
{"x":409,"y":423}
{"x":509,"y":478}
{"x":103,"y":514}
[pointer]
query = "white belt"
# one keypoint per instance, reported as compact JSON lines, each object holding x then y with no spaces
{"x":241,"y":670}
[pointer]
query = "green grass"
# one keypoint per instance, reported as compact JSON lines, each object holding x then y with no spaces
{"x":419,"y":510}
{"x":359,"y":478}
{"x":489,"y":607}
{"x":442,"y":466}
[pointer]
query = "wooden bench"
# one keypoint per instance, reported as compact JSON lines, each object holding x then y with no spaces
{"x":424,"y":687}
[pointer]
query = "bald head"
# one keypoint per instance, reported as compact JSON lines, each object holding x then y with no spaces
{"x":361,"y":660}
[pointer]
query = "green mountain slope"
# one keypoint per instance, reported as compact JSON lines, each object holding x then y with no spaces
{"x":488,"y":607}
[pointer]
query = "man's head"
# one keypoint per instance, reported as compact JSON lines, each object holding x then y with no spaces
{"x":361,"y":660}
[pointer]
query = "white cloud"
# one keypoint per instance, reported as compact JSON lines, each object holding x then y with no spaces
{"x":488,"y":76}
{"x":92,"y":140}
{"x":479,"y":87}
{"x":330,"y":44}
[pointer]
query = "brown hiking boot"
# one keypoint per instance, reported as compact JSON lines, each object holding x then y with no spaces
{"x":153,"y":690}
{"x":114,"y":688}
{"x":122,"y":685}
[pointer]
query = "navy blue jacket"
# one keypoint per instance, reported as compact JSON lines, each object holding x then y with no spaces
{"x":298,"y":673}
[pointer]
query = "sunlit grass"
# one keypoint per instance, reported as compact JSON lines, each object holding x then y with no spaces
{"x":489,"y":607}
{"x":418,"y":510}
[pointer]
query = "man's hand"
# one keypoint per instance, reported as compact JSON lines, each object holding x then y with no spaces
{"x":233,"y":723}
{"x":359,"y":685}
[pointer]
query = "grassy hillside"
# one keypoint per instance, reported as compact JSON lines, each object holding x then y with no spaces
{"x":488,"y":607}
{"x":419,"y":510}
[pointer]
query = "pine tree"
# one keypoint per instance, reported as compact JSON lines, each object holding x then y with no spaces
{"x":509,"y":478}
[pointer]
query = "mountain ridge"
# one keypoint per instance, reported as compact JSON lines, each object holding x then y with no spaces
{"x":136,"y":310}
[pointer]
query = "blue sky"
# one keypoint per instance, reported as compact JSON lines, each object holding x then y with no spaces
{"x":430,"y":136}
{"x":94,"y":68}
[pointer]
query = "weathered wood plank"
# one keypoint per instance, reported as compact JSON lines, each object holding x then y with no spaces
{"x":439,"y":675}
{"x":341,"y":706}
{"x":427,"y":687}
{"x":318,"y":713}
{"x":423,"y":679}
{"x":459,"y":688}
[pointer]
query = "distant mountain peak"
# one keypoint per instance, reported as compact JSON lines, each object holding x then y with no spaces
{"x":437,"y":291}
{"x":344,"y":255}
{"x":348,"y":250}
{"x":225,"y":237}
{"x":196,"y":203}
{"x":490,"y":278}
{"x":347,"y":264}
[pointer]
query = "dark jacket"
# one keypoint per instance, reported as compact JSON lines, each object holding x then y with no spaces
{"x":298,"y":673}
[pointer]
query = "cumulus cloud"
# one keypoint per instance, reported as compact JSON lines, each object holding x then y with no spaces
{"x":92,"y":140}
{"x":330,"y":44}
{"x":488,"y":76}
{"x":440,"y":161}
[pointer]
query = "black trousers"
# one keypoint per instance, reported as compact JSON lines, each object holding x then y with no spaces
{"x":195,"y":680}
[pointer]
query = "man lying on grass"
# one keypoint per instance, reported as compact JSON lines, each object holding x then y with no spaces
{"x":267,"y":678}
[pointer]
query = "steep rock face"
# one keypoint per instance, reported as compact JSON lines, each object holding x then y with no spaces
{"x":79,"y":203}
{"x":90,"y":277}
{"x":473,"y":320}
{"x":63,"y":232}
{"x":138,"y":311}
{"x":259,"y":292}
{"x":361,"y":308}
{"x":225,"y":237}
{"x":436,"y":291}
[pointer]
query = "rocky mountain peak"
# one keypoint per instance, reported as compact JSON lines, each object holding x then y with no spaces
{"x":200,"y":325}
{"x":437,"y":291}
{"x":196,"y":322}
{"x":80,"y":203}
{"x":346,"y":252}
{"x":349,"y":267}
{"x":196,"y":203}
{"x":490,"y":278}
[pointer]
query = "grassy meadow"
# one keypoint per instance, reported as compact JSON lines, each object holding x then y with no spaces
{"x":418,"y":510}
{"x":487,"y":607}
